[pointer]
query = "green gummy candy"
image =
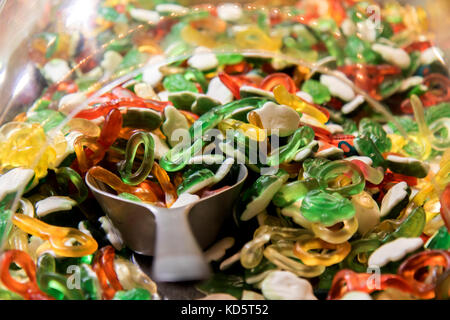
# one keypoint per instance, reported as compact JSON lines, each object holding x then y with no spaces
{"x":56,"y":285}
{"x":195,"y":75}
{"x":206,"y":121}
{"x":89,"y":283}
{"x":203,"y":104}
{"x":318,"y":91}
{"x":48,"y":118}
{"x":440,"y":240}
{"x":256,"y":198}
{"x":177,"y":82}
{"x":294,"y":191}
{"x":196,"y":181}
{"x":133,"y":294}
{"x":333,"y":47}
{"x":132,"y":59}
{"x":312,"y":167}
{"x":141,"y":118}
{"x":9,"y":295}
{"x":360,"y":51}
{"x":319,"y":206}
{"x":286,"y":153}
{"x":129,"y":196}
{"x":411,"y":227}
{"x":365,"y":146}
{"x":46,"y":263}
{"x":183,"y":99}
{"x":229,"y":58}
{"x":334,"y":169}
{"x":176,"y":158}
{"x":126,"y":166}
{"x":110,"y":14}
{"x":375,"y":131}
{"x":437,"y":112}
{"x":407,"y":166}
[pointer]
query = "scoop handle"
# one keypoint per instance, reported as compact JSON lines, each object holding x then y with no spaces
{"x":177,"y":254}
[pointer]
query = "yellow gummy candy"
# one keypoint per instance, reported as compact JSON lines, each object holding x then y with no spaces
{"x":284,"y":97}
{"x":249,"y":130}
{"x":25,"y":145}
{"x":398,"y":142}
{"x":423,"y":138}
{"x":425,"y":191}
{"x":438,"y":182}
{"x":256,"y":39}
{"x":197,"y":38}
{"x":442,"y":177}
{"x":432,"y":208}
{"x":84,"y":126}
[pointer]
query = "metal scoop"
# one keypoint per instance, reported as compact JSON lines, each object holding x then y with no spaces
{"x":180,"y":230}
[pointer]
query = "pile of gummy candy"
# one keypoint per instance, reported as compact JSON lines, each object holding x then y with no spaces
{"x":352,"y":202}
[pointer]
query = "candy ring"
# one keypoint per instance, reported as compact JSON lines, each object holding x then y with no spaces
{"x":197,"y":38}
{"x":371,"y":174}
{"x":439,"y":85}
{"x":56,"y":284}
{"x":58,"y":237}
{"x":348,"y":229}
{"x":126,"y":166}
{"x":104,"y":268}
{"x":254,"y":38}
{"x":130,"y":275}
{"x":116,"y":183}
{"x":252,"y":252}
{"x":442,"y":290}
{"x":282,"y":233}
{"x":439,"y":91}
{"x":66,"y":174}
{"x":275,"y":79}
{"x":96,"y":147}
{"x":29,"y":290}
{"x":346,"y":280}
{"x":46,"y":263}
{"x":440,"y":133}
{"x":303,"y":246}
{"x":336,"y":168}
{"x":280,"y":254}
{"x":414,"y":270}
{"x":164,"y":181}
{"x":96,"y":153}
{"x":359,"y":247}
